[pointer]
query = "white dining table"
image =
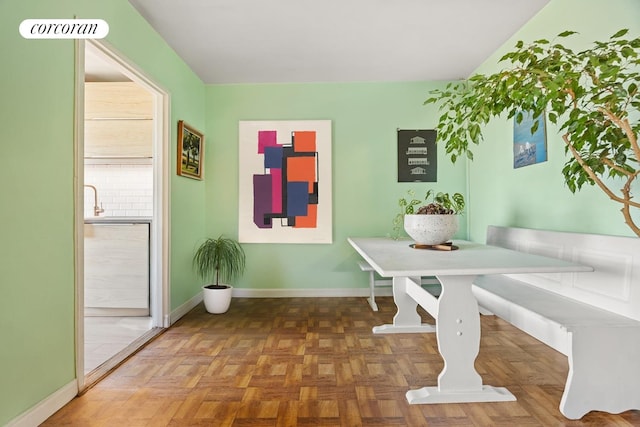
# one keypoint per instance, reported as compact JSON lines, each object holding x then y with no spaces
{"x":455,"y":310}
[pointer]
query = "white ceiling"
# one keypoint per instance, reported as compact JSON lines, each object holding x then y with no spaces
{"x":277,"y":41}
{"x":98,"y":69}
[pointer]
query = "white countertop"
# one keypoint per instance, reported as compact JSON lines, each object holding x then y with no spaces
{"x":391,"y":258}
{"x":118,"y":220}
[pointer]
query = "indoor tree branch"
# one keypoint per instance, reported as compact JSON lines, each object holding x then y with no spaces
{"x":593,"y":95}
{"x":625,"y":201}
{"x":626,"y":128}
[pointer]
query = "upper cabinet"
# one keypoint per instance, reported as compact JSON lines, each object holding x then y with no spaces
{"x":118,"y":120}
{"x":117,"y":100}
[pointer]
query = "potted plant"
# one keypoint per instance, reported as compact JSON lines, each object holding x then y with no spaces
{"x":592,"y":95}
{"x":433,"y":223}
{"x":221,"y":260}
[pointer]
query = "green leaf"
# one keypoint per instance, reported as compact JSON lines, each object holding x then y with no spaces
{"x":534,"y":127}
{"x":566,"y":33}
{"x":620,"y":33}
{"x":627,"y":52}
{"x":519,"y":117}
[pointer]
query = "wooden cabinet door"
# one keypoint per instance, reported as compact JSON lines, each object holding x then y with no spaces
{"x":118,"y":120}
{"x":116,"y":100}
{"x":118,"y":138}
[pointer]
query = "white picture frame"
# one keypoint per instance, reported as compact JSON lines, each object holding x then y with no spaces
{"x":285,"y":181}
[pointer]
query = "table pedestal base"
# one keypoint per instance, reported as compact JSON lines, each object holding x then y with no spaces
{"x":403,"y":329}
{"x":433,"y":395}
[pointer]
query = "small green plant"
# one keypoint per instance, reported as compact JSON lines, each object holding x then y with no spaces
{"x":220,"y":259}
{"x":436,"y":204}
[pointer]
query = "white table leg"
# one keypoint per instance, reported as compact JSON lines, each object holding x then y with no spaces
{"x":458,"y":332}
{"x":407,"y":319}
{"x":372,"y":290}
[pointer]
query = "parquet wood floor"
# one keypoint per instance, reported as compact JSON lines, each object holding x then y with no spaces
{"x":315,"y":362}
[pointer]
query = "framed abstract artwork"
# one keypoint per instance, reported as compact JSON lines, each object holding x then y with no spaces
{"x":190,"y":151}
{"x":529,"y":147}
{"x":285,"y":181}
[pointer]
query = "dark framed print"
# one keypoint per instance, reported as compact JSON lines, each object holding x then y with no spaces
{"x":417,"y":156}
{"x":190,"y":151}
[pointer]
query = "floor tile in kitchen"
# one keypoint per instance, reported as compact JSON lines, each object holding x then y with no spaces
{"x":106,"y":336}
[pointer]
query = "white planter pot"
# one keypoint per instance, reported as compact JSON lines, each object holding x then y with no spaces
{"x":431,"y":229}
{"x":217,"y":301}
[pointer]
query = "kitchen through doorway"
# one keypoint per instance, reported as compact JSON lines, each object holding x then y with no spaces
{"x":122,"y":206}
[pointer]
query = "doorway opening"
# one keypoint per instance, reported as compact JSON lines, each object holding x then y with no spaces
{"x":121,"y":210}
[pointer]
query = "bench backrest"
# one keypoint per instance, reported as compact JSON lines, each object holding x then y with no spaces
{"x":613,"y":286}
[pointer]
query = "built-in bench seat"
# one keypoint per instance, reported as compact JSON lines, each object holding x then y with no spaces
{"x":593,"y":318}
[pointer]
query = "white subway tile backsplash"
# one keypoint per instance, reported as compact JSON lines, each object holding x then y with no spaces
{"x":123,"y":190}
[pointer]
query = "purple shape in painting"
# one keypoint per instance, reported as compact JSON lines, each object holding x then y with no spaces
{"x":262,"y":200}
{"x":297,"y":198}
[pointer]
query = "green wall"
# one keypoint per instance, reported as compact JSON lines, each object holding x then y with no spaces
{"x":365,"y":117}
{"x":536,"y":196}
{"x":36,"y":179}
{"x":37,"y":355}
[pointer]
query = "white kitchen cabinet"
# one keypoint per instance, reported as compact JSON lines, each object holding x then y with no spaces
{"x":116,"y":269}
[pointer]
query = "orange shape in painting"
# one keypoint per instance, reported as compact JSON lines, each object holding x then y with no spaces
{"x":304,"y":141}
{"x":310,"y":220}
{"x":302,"y":169}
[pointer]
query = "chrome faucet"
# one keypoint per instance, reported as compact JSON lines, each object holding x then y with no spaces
{"x":97,"y":210}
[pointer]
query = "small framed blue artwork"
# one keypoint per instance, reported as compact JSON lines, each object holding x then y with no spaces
{"x":529,"y":148}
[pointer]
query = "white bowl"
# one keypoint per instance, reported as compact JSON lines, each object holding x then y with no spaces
{"x":430,"y":229}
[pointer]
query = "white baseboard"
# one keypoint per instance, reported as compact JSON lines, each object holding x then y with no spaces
{"x":185,"y":308}
{"x":37,"y":414}
{"x":307,"y":293}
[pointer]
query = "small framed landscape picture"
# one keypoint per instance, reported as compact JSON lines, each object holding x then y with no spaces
{"x":190,"y":151}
